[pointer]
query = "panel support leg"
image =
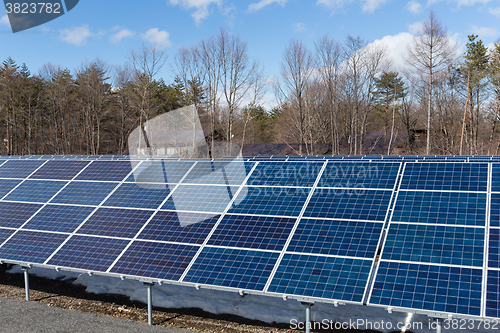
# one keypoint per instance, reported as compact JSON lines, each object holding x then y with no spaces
{"x":150,"y":302}
{"x":26,"y":282}
{"x":439,"y":325}
{"x":308,"y":315}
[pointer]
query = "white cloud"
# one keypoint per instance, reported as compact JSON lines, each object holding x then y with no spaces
{"x":396,"y":46}
{"x":366,"y":5}
{"x":460,"y":3}
{"x":415,"y":28}
{"x":200,"y":6}
{"x":263,"y":3}
{"x":414,"y":7}
{"x":484,"y":31}
{"x":76,"y":35}
{"x":156,"y":36}
{"x":118,"y":36}
{"x":299,"y":27}
{"x":4,"y":20}
{"x":495,"y":11}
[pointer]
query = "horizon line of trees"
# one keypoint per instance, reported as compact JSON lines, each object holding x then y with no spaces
{"x":344,"y":94}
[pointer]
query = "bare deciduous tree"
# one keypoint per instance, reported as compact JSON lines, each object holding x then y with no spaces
{"x":296,"y":70}
{"x":431,"y":52}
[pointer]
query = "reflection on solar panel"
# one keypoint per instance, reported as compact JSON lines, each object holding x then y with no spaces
{"x":388,"y":231}
{"x":234,"y":268}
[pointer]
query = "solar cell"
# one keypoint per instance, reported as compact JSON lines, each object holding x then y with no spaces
{"x":428,"y":287}
{"x":333,"y":237}
{"x":160,"y":171}
{"x":445,"y":176}
{"x":219,"y":173}
{"x":357,"y":204}
{"x":455,"y":245}
{"x":138,"y":195}
{"x":31,"y":246}
{"x":494,"y":248}
{"x":107,"y":170}
{"x":90,"y":253}
{"x":325,"y":277}
{"x":16,"y":214}
{"x":19,"y":168}
{"x":59,"y":218}
{"x":280,"y":201}
{"x":61,"y":170}
{"x":4,"y":234}
{"x":114,"y":222}
{"x":6,"y":185}
{"x":35,"y":191}
{"x":179,"y":227}
{"x":493,"y":294}
{"x":360,"y":175}
{"x":232,"y":268}
{"x":201,"y":198}
{"x":441,"y":207}
{"x":285,"y":174}
{"x":155,"y":260}
{"x":84,"y":193}
{"x":256,"y":232}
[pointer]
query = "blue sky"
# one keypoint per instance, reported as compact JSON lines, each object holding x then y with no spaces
{"x":110,"y":29}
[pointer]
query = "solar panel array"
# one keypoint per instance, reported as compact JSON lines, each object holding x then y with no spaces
{"x":398,"y":232}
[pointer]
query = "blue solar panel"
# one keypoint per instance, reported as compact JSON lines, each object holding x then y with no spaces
{"x":219,"y":173}
{"x":281,"y":201}
{"x":59,"y":218}
{"x":285,"y":173}
{"x":494,"y":248}
{"x":4,"y":234}
{"x":441,"y":207}
{"x":31,"y":246}
{"x":160,"y":171}
{"x":107,"y":170}
{"x":232,"y":268}
{"x":92,"y":253}
{"x":445,"y":176}
{"x":495,"y":177}
{"x":360,"y":175}
{"x":332,"y":237}
{"x":325,"y":277}
{"x":115,"y":222}
{"x":84,"y":193}
{"x":13,"y":214}
{"x":35,"y":191}
{"x":19,"y":169}
{"x":495,"y":210}
{"x":179,"y":227}
{"x":356,"y":204}
{"x":435,"y":244}
{"x":201,"y":198}
{"x":256,"y":232}
{"x":6,"y":185}
{"x":493,"y":294}
{"x":62,"y":170}
{"x":139,"y":195}
{"x":428,"y":287}
{"x":155,"y":260}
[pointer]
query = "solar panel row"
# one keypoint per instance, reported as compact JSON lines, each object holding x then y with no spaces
{"x":305,"y":229}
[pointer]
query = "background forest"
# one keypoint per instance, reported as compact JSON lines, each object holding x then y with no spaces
{"x":342,"y":97}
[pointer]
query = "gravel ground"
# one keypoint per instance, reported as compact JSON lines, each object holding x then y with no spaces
{"x":50,"y":300}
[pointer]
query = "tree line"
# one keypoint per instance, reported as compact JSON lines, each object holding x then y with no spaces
{"x":344,"y":95}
